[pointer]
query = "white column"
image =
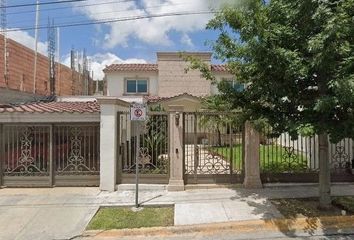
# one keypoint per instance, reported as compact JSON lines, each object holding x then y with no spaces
{"x":108,"y":141}
{"x":176,"y":182}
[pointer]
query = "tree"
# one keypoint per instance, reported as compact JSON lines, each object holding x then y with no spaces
{"x":215,"y":122}
{"x":297,"y":58}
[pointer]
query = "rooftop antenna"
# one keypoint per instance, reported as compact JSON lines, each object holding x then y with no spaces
{"x":4,"y":32}
{"x":51,"y":55}
{"x":35,"y":47}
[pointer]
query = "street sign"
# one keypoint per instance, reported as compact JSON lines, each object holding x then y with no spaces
{"x":138,"y":112}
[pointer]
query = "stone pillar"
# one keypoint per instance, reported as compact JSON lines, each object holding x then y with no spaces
{"x":251,"y":151}
{"x":108,"y":141}
{"x":176,"y":182}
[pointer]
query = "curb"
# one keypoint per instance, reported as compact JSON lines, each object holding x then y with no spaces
{"x":332,"y":225}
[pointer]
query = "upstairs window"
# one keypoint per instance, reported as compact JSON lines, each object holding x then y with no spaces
{"x":136,"y":86}
{"x":238,"y":87}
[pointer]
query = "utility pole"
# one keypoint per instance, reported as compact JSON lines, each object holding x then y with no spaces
{"x":58,"y":58}
{"x":35,"y":48}
{"x":51,"y":56}
{"x":4,"y":32}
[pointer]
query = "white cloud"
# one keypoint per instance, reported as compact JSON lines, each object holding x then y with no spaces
{"x":185,"y":39}
{"x":99,"y":61}
{"x":152,"y":31}
{"x":27,"y":40}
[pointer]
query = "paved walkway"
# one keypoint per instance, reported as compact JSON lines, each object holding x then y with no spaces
{"x":62,"y":213}
{"x":207,"y":163}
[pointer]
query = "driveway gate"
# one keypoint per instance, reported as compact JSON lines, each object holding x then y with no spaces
{"x":212,"y":148}
{"x":49,"y":155}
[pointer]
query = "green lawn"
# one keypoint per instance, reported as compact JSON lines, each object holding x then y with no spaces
{"x":119,"y":218}
{"x":273,"y":158}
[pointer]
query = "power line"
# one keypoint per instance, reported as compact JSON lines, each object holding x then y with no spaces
{"x":106,"y":12}
{"x":112,"y":20}
{"x":44,"y":3}
{"x":67,"y":7}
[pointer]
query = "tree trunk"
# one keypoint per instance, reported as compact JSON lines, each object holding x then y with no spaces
{"x":219,"y":137}
{"x":324,"y":175}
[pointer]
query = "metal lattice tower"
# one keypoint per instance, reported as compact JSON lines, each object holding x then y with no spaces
{"x":51,"y":55}
{"x":4,"y":33}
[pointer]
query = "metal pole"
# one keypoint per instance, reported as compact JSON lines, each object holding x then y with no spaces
{"x":58,"y":59}
{"x":137,"y":155}
{"x":35,"y":47}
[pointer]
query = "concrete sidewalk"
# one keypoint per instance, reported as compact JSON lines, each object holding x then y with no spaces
{"x":62,"y":213}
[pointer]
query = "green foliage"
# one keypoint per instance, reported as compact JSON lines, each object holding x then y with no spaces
{"x":155,"y":140}
{"x":221,"y":120}
{"x":273,"y":158}
{"x":297,"y":59}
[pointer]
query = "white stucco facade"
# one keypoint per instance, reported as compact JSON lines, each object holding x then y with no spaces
{"x":169,"y":79}
{"x":116,"y":82}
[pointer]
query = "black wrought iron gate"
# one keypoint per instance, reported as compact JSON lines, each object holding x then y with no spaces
{"x":49,"y":155}
{"x":212,"y":148}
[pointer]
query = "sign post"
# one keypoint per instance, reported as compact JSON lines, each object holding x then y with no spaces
{"x":137,"y":114}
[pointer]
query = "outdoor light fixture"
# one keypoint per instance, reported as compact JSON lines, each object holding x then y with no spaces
{"x":177,"y":116}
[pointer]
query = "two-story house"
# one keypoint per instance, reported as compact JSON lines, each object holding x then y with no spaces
{"x":165,"y":82}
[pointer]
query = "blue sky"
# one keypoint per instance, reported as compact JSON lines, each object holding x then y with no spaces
{"x":128,"y":41}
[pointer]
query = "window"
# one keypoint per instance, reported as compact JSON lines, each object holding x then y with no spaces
{"x":238,"y":87}
{"x":136,"y":86}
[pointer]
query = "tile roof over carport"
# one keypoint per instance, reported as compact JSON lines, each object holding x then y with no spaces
{"x":52,"y":107}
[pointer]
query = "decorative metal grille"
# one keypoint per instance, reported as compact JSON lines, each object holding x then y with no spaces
{"x":286,"y":155}
{"x":76,"y":150}
{"x":26,"y":150}
{"x":300,"y":155}
{"x":153,"y":149}
{"x":212,"y":144}
{"x":340,"y":156}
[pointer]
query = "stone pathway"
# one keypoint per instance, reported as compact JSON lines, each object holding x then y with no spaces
{"x":207,"y":163}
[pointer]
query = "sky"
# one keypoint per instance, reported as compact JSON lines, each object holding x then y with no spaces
{"x":134,"y":41}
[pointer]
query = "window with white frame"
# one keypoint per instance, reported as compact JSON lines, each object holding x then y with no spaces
{"x":237,"y":86}
{"x":139,"y":86}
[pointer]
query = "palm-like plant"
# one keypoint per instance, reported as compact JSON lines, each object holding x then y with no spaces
{"x":217,"y":120}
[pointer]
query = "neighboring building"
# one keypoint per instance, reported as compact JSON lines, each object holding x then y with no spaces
{"x":19,"y":85}
{"x":165,"y":81}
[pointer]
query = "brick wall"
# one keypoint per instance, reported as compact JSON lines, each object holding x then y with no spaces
{"x":21,"y":71}
{"x":173,"y":79}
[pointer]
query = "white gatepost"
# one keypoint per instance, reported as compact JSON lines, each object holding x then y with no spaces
{"x":176,"y":182}
{"x":108,"y":141}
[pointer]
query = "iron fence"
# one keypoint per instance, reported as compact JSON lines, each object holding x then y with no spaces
{"x":38,"y":154}
{"x":76,"y":149}
{"x":154,"y":144}
{"x":212,"y":144}
{"x":285,"y":159}
{"x":25,"y":150}
{"x":285,"y":155}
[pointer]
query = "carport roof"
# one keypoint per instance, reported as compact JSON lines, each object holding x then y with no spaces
{"x":52,"y":107}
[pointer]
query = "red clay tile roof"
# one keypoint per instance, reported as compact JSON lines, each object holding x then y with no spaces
{"x":218,"y":68}
{"x":149,"y":67}
{"x":155,"y":99}
{"x":146,"y":67}
{"x":53,"y":107}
